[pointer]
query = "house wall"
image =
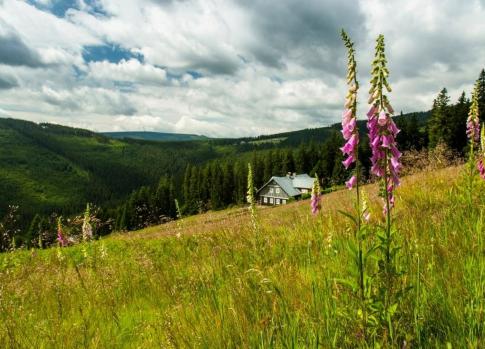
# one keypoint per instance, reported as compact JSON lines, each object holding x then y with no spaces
{"x":269,"y":195}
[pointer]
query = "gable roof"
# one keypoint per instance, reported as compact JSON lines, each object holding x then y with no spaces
{"x":303,"y":181}
{"x":290,"y":184}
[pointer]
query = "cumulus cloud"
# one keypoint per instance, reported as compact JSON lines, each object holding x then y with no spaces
{"x":127,"y":70}
{"x":90,"y":100}
{"x":225,"y":67}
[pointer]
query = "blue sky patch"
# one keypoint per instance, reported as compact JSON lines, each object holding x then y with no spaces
{"x":178,"y":75}
{"x":195,"y":74}
{"x":60,"y":7}
{"x":111,"y":53}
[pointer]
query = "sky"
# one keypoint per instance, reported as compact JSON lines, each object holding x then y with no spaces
{"x":226,"y":68}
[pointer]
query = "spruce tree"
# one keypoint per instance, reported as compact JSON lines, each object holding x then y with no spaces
{"x":227,"y":184}
{"x":438,"y":126}
{"x":459,"y":115}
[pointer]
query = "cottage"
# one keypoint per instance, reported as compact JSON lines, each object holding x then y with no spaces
{"x":278,"y":190}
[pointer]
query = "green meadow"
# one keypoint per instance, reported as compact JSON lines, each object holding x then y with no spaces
{"x":210,"y":281}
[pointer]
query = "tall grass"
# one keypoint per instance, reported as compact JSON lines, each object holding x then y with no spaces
{"x":211,"y":289}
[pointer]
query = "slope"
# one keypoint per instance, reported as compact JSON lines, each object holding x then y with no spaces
{"x":49,"y":167}
{"x":218,"y":285}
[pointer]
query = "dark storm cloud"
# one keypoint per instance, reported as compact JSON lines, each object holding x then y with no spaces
{"x":7,"y":82}
{"x":221,"y":64}
{"x":431,"y":51}
{"x":16,"y":53}
{"x":306,"y":32}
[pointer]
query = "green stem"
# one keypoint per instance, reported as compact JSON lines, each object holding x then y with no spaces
{"x":471,"y":161}
{"x":361,"y":259}
{"x":388,"y":222}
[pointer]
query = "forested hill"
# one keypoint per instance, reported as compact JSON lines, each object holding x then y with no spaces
{"x":48,"y":168}
{"x":154,"y":136}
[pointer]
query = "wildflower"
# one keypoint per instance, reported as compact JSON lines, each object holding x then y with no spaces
{"x":315,"y":200}
{"x":481,"y":168}
{"x":351,"y":182}
{"x":350,"y":131}
{"x":60,"y":235}
{"x":382,"y":129}
{"x":87,"y":229}
{"x":179,"y":221}
{"x":473,"y":123}
{"x":250,"y":198}
{"x":481,"y":157}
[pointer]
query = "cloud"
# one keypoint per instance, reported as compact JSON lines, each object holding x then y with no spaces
{"x":304,"y":33}
{"x":225,"y":67}
{"x":89,"y":100}
{"x":131,"y":71}
{"x":7,"y":82}
{"x":15,"y":52}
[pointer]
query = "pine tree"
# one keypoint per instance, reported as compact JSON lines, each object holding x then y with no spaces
{"x":301,"y":160}
{"x":240,"y":184}
{"x":216,"y":198}
{"x":186,"y":184}
{"x":205,"y":184}
{"x":258,"y":169}
{"x":438,"y":126}
{"x":227,"y":184}
{"x":458,"y":139}
{"x":268,"y":166}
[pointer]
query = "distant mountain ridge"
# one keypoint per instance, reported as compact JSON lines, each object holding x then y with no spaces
{"x":155,"y":136}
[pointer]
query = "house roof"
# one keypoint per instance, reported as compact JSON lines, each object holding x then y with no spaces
{"x":303,"y":181}
{"x":290,"y":184}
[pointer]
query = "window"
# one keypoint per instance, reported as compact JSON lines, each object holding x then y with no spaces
{"x":271,"y":200}
{"x":283,"y":201}
{"x":277,"y":201}
{"x":277,"y":190}
{"x":271,"y":190}
{"x":265,"y":200}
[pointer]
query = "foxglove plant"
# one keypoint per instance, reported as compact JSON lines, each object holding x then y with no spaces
{"x":386,"y":165}
{"x":473,"y":134}
{"x":481,"y":157}
{"x":60,"y":234}
{"x":251,"y":199}
{"x":382,"y":129}
{"x":87,"y":229}
{"x":349,"y":119}
{"x":179,"y":220}
{"x":315,"y":199}
{"x":473,"y":121}
{"x":350,"y":149}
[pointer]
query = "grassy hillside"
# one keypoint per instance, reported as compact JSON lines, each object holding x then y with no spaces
{"x":155,"y":136}
{"x":218,"y":285}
